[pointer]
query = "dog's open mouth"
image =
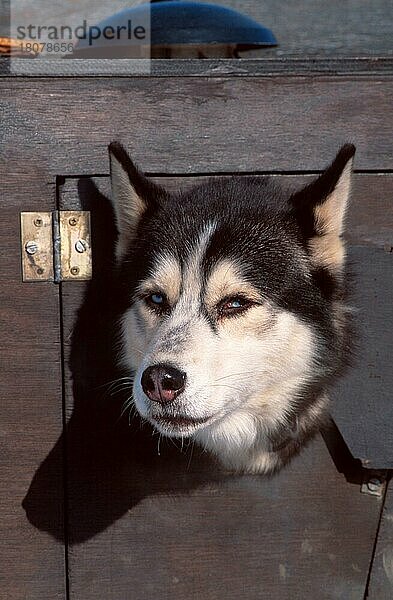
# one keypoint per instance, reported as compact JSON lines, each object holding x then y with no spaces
{"x":179,"y":422}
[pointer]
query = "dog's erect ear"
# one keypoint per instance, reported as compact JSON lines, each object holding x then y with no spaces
{"x":320,"y":210}
{"x":132,"y":195}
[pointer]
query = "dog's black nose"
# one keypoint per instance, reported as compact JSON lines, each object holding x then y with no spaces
{"x":162,"y":383}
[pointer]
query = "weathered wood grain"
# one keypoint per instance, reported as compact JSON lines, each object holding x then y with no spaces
{"x":362,"y":401}
{"x":251,"y":124}
{"x":305,"y":534}
{"x":31,"y":562}
{"x":245,"y":67}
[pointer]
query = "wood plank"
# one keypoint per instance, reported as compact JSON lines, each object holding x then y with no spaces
{"x":362,"y":401}
{"x":31,"y":562}
{"x":244,"y":67}
{"x":250,"y":124}
{"x":177,"y":532}
{"x":381,"y":579}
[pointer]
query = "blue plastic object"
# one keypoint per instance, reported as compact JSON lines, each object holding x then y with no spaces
{"x":178,"y":22}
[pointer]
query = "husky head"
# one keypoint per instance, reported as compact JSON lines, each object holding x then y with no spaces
{"x":235,"y":320}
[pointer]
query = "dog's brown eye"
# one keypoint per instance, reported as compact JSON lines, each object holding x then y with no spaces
{"x":233,"y":306}
{"x":157,"y":301}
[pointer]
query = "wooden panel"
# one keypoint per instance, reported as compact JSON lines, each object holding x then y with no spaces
{"x":31,"y":562}
{"x":363,"y":400}
{"x":146,"y":519}
{"x":256,"y":124}
{"x":246,"y":67}
{"x":174,"y":532}
{"x":381,"y":579}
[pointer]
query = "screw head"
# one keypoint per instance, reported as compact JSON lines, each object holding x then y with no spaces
{"x":81,"y":246}
{"x":38,"y":222}
{"x":74,"y":270}
{"x":40,"y":271}
{"x":73,"y":221}
{"x":31,"y":247}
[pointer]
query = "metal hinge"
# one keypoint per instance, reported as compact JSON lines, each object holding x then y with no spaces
{"x":56,"y":246}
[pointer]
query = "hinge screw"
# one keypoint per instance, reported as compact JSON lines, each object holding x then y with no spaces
{"x":73,"y":221}
{"x":31,"y":247}
{"x":40,"y":271}
{"x":38,"y":222}
{"x":74,"y":270}
{"x":81,"y":246}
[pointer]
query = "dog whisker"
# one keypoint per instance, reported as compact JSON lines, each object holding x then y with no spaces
{"x":131,"y":415}
{"x":120,"y":390}
{"x":224,"y":385}
{"x":191,"y":455}
{"x":128,"y":405}
{"x":243,"y":373}
{"x":113,"y":381}
{"x":173,"y":442}
{"x":116,"y":386}
{"x":120,"y":384}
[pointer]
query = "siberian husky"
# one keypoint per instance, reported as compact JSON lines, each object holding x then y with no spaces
{"x":236,"y":322}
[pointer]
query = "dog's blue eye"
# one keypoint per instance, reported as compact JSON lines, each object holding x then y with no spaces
{"x":157,"y":298}
{"x":233,"y":306}
{"x":157,"y":302}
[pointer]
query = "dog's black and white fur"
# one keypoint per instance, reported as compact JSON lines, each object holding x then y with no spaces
{"x":236,"y":323}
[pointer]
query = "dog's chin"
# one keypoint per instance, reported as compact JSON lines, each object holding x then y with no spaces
{"x":178,"y":426}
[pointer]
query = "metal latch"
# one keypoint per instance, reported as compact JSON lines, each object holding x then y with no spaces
{"x":56,"y":246}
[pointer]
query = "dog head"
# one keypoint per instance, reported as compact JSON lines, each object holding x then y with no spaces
{"x":234,"y":298}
